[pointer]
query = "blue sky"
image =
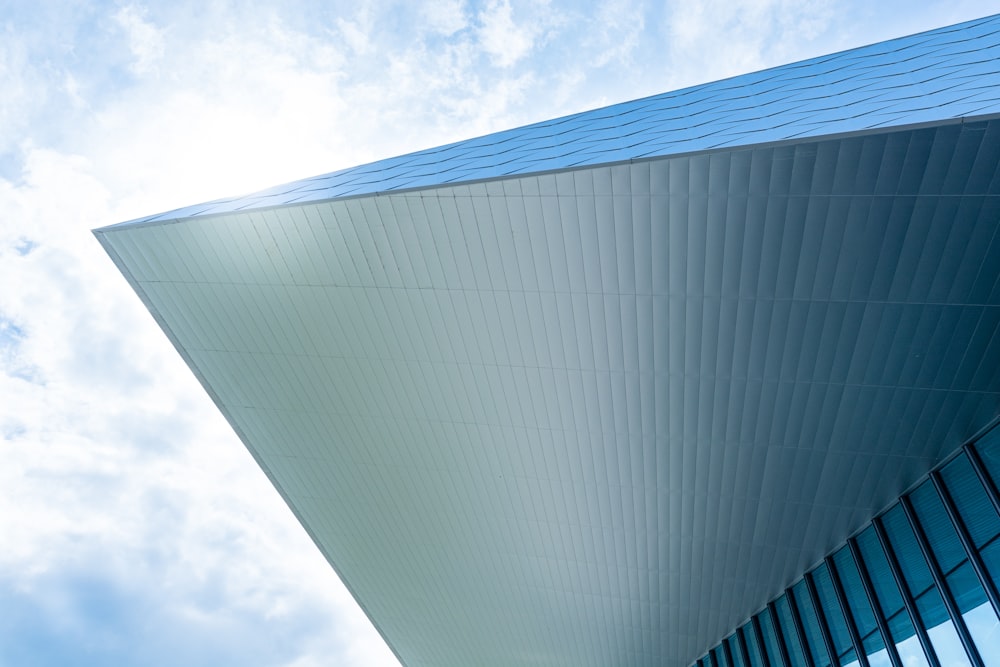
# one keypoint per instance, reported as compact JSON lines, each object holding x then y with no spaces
{"x":134,"y":527}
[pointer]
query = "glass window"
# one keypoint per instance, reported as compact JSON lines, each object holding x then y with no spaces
{"x":918,"y":579}
{"x":976,"y":510}
{"x":735,"y":651}
{"x":860,"y":609}
{"x":770,"y":639}
{"x":720,"y":657}
{"x":970,"y":497}
{"x":810,"y":623}
{"x":787,"y":626}
{"x":960,"y":578}
{"x":835,"y":620}
{"x":753,"y":648}
{"x":890,"y":600}
{"x":988,"y":448}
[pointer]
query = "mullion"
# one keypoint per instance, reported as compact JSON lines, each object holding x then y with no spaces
{"x":852,"y":628}
{"x":744,"y":649}
{"x":779,"y":635}
{"x":941,"y":583}
{"x":720,"y":655}
{"x":990,"y":541}
{"x":821,"y":619}
{"x":880,"y":620}
{"x":800,"y":629}
{"x":909,"y":602}
{"x":728,"y":652}
{"x":761,"y":647}
{"x":984,"y":477}
{"x":966,"y":539}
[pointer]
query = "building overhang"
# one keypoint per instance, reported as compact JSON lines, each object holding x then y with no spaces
{"x":600,"y":415}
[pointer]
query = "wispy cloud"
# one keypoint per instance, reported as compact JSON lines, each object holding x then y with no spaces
{"x":145,"y":40}
{"x":504,"y":39}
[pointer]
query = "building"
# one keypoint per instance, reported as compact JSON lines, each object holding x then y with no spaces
{"x":629,"y":387}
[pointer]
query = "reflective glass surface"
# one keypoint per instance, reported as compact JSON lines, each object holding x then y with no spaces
{"x":977,"y":513}
{"x":988,"y":448}
{"x":860,"y":609}
{"x":890,"y":599}
{"x":810,"y":623}
{"x":786,"y":624}
{"x":735,"y":651}
{"x":930,"y":606}
{"x":770,"y":639}
{"x":753,"y":646}
{"x":835,"y":619}
{"x":872,"y":592}
{"x":962,"y":581}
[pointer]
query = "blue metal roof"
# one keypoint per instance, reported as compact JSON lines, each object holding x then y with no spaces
{"x":937,"y":76}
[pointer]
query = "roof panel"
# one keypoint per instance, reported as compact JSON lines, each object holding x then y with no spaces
{"x":902,"y":74}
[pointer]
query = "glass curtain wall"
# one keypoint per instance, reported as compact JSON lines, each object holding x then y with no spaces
{"x":918,"y":587}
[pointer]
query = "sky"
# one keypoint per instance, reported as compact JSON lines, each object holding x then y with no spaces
{"x":135,"y":529}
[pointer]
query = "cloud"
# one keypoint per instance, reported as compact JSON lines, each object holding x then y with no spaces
{"x":444,"y":16}
{"x":136,"y":527}
{"x":722,"y":39}
{"x":622,"y":23}
{"x":506,"y":41}
{"x":146,"y":41}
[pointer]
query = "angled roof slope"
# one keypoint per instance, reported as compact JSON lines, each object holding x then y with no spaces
{"x":930,"y":77}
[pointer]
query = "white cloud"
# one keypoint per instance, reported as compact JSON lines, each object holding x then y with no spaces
{"x":116,"y":463}
{"x":146,"y":41}
{"x":621,"y":24}
{"x":505,"y":40}
{"x":720,"y":38}
{"x":444,"y":16}
{"x":23,"y":89}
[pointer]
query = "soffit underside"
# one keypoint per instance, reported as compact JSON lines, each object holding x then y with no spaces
{"x":598,"y":417}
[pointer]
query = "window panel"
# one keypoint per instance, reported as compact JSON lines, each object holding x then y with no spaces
{"x":974,"y":506}
{"x":961,"y":579}
{"x":991,"y":558}
{"x":854,"y":590}
{"x":976,"y":610}
{"x":786,"y":624}
{"x":753,"y":648}
{"x":810,"y":623}
{"x":976,"y":511}
{"x":901,"y":630}
{"x":941,"y":535}
{"x":792,"y":628}
{"x":930,"y":607}
{"x":859,"y":607}
{"x":988,"y":448}
{"x":770,"y":639}
{"x":735,"y":651}
{"x":835,"y":620}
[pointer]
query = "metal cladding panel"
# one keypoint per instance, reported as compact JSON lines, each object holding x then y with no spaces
{"x":944,"y":74}
{"x":598,"y":417}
